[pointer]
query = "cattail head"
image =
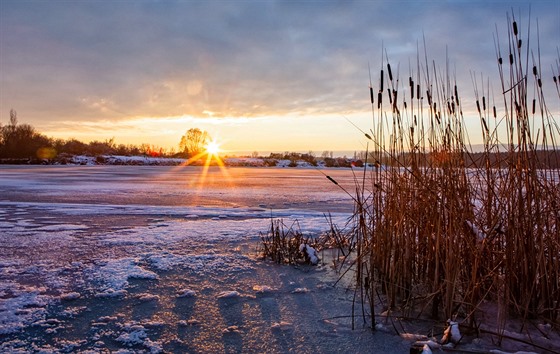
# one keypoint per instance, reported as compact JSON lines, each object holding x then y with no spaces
{"x":535,"y":70}
{"x":500,"y":60}
{"x":381,"y":83}
{"x":515,"y":28}
{"x":332,"y":180}
{"x":389,"y":71}
{"x":371,"y":94}
{"x":510,"y":59}
{"x":519,"y":43}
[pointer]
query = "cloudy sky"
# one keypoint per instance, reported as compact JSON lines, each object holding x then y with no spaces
{"x":257,"y":75}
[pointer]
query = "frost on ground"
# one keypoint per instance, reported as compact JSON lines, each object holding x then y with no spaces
{"x":106,"y":260}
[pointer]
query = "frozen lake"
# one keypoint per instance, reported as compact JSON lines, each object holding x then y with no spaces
{"x":163,"y":259}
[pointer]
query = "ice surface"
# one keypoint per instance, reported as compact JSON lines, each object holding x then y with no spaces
{"x":150,"y":259}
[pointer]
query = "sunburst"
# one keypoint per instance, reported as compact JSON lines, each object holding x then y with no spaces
{"x":212,"y":148}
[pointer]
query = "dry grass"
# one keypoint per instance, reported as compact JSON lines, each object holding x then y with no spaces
{"x":437,"y":238}
{"x":282,"y":244}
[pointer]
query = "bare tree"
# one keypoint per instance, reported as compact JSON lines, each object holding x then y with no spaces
{"x":21,"y":140}
{"x":13,"y":117}
{"x":192,"y":143}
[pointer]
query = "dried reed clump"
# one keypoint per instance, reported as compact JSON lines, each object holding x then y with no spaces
{"x":287,"y":245}
{"x":439,"y":229}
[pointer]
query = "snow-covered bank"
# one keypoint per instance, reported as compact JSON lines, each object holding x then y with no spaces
{"x":168,"y":161}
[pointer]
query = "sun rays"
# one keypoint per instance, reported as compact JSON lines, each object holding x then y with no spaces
{"x":208,"y":157}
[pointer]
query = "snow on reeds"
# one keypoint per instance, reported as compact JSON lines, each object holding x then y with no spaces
{"x":440,"y":230}
{"x":288,"y":245}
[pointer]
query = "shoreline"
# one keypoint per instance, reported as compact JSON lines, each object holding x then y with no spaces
{"x":170,"y":161}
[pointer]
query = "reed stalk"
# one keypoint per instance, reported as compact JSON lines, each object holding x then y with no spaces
{"x":441,"y":229}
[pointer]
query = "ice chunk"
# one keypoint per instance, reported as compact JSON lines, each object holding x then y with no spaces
{"x":263,"y":289}
{"x":134,"y":337}
{"x":147,"y":297}
{"x":231,"y":329}
{"x":282,"y":326}
{"x":111,"y":293}
{"x":426,"y":349}
{"x":186,"y":293}
{"x":310,"y":252}
{"x":452,"y":333}
{"x":70,"y":296}
{"x":300,"y":291}
{"x":228,"y":294}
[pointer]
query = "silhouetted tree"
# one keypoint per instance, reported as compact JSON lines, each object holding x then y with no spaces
{"x":192,"y":143}
{"x":73,"y":147}
{"x":101,"y":147}
{"x":21,"y":140}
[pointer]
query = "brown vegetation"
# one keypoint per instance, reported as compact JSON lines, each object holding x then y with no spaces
{"x":441,"y":230}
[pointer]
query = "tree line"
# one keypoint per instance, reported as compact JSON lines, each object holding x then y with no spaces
{"x":23,"y":141}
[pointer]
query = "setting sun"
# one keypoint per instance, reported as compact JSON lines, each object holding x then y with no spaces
{"x":212,"y":148}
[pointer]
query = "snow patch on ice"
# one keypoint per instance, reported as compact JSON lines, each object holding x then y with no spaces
{"x":25,"y":305}
{"x":62,"y":227}
{"x":233,"y":263}
{"x":134,"y":334}
{"x":111,"y":293}
{"x":228,"y":295}
{"x":300,"y":291}
{"x":232,"y":329}
{"x":186,"y":293}
{"x":282,"y":326}
{"x":113,"y":275}
{"x":263,"y":289}
{"x":147,"y":297}
{"x":70,"y":296}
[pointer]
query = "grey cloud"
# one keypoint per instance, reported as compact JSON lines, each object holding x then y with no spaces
{"x":247,"y":58}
